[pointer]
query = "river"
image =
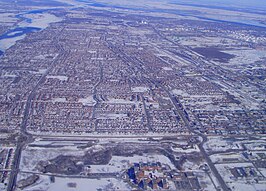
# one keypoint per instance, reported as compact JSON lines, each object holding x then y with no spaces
{"x":29,"y":24}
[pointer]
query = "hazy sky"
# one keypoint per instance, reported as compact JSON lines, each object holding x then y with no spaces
{"x":258,"y":4}
{"x":236,"y":3}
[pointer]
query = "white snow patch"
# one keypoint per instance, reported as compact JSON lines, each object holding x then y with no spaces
{"x":7,"y":19}
{"x":118,"y":163}
{"x":139,"y":89}
{"x":167,"y":68}
{"x":112,"y":116}
{"x":248,"y":184}
{"x":59,"y":99}
{"x":8,"y":42}
{"x":220,"y":144}
{"x":61,"y":78}
{"x":40,"y":71}
{"x":120,"y":101}
{"x":80,"y":184}
{"x":32,"y":156}
{"x":179,"y":92}
{"x":88,"y":101}
{"x":10,"y":75}
{"x":41,"y":20}
{"x":247,"y":56}
{"x":188,"y":150}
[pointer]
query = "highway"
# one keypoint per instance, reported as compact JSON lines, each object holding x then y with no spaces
{"x":140,"y":64}
{"x":204,"y":140}
{"x":184,"y":119}
{"x":24,"y":137}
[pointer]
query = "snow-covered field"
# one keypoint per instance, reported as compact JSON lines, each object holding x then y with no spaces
{"x":46,"y":150}
{"x":245,"y":57}
{"x":7,"y":19}
{"x":256,"y":146}
{"x":140,"y":89}
{"x":41,"y":20}
{"x":220,"y":144}
{"x":221,"y":158}
{"x":39,"y":151}
{"x":112,"y":116}
{"x":59,"y":99}
{"x":40,"y":71}
{"x":32,"y":156}
{"x":188,"y":150}
{"x":247,"y":184}
{"x":61,"y":78}
{"x":88,"y":101}
{"x":74,"y":184}
{"x":167,"y":68}
{"x":10,"y":75}
{"x":8,"y":42}
{"x":206,"y":181}
{"x":200,"y":41}
{"x":180,"y":92}
{"x":119,"y":163}
{"x":120,"y":101}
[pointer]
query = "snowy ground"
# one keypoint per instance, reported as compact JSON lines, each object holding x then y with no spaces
{"x":140,"y":89}
{"x":220,"y":144}
{"x":32,"y":156}
{"x":7,"y":19}
{"x":61,"y":78}
{"x":120,"y":101}
{"x":40,"y":71}
{"x":46,"y":150}
{"x":59,"y":99}
{"x":180,"y":92}
{"x":245,"y":57}
{"x":188,"y":150}
{"x":120,"y":163}
{"x":247,"y":184}
{"x":167,"y":68}
{"x":41,"y":20}
{"x":256,"y":146}
{"x":8,"y":42}
{"x":42,"y":150}
{"x":74,"y":184}
{"x":88,"y":101}
{"x":222,"y":158}
{"x":112,"y":116}
{"x":203,"y":42}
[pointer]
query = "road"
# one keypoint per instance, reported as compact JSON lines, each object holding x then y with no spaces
{"x":204,"y":140}
{"x":25,"y":137}
{"x":184,"y":119}
{"x":90,"y":175}
{"x":134,"y":63}
{"x":140,"y":65}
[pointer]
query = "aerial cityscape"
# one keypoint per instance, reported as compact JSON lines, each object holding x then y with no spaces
{"x":99,"y":95}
